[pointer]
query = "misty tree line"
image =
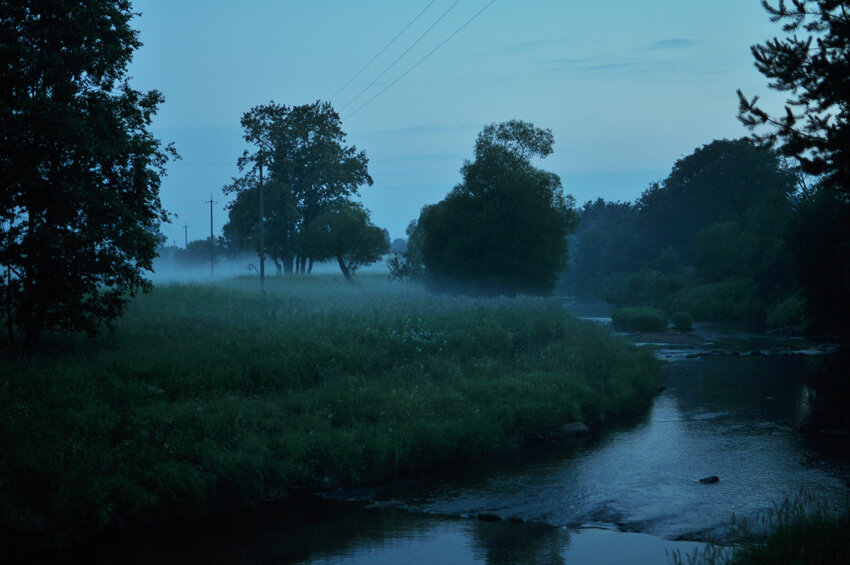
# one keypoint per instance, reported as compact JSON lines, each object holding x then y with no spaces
{"x":80,"y":213}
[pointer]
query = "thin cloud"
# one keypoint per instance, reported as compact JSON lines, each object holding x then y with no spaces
{"x":675,"y":43}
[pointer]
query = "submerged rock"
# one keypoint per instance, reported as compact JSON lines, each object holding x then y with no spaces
{"x":710,"y":480}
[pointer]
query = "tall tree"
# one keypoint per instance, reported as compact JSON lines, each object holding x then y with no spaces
{"x":304,"y":150}
{"x":79,"y":202}
{"x":814,"y":68}
{"x":504,"y":228}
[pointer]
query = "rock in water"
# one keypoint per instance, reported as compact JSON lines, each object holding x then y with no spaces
{"x":710,"y":480}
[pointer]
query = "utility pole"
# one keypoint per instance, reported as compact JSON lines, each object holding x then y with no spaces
{"x":185,"y":235}
{"x":212,"y":238}
{"x":262,"y":230}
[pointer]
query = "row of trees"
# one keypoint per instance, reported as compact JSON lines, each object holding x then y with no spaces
{"x":301,"y":179}
{"x":757,"y":229}
{"x":711,"y":238}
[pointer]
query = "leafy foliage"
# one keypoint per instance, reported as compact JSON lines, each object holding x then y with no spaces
{"x":639,"y":319}
{"x":719,"y":219}
{"x":682,"y":321}
{"x":309,"y":169}
{"x":815,"y":130}
{"x":813,"y":68}
{"x":79,"y":203}
{"x":345,"y":233}
{"x":504,"y":228}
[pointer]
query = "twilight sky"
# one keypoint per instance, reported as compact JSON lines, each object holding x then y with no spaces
{"x":627,"y":87}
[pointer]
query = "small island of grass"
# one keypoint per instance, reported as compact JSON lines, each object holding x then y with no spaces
{"x":204,"y":398}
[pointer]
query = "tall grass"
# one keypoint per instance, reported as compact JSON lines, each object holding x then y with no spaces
{"x":803,"y":530}
{"x":204,"y":398}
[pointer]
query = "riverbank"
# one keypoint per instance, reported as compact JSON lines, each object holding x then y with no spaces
{"x":205,"y":398}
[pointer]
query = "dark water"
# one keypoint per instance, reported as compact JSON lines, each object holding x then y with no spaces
{"x":626,"y":495}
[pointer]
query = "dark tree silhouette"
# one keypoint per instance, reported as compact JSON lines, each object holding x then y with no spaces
{"x":504,"y":228}
{"x":814,"y":69}
{"x":309,"y":169}
{"x":79,"y":201}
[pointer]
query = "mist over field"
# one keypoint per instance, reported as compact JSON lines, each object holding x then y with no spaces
{"x":546,"y":282}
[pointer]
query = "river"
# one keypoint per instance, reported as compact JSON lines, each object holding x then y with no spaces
{"x":733,"y":408}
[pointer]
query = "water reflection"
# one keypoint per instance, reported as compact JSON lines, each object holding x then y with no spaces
{"x":736,"y":417}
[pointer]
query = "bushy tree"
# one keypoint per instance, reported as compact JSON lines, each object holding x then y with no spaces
{"x":79,"y":202}
{"x":308,"y":169}
{"x":504,"y":228}
{"x":242,"y":231}
{"x":345,"y":233}
{"x":723,"y":181}
{"x":813,"y":66}
{"x":408,"y":265}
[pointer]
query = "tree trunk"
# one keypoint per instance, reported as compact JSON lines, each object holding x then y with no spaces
{"x":344,"y":268}
{"x":278,"y":266}
{"x":310,"y":267}
{"x":10,"y":324}
{"x":287,"y":265}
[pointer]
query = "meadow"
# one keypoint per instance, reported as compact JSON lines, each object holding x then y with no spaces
{"x":206,"y":398}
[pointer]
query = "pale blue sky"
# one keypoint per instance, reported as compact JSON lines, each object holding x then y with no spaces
{"x":627,"y":87}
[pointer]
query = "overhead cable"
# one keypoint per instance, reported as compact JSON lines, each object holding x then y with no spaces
{"x":406,"y":51}
{"x":381,"y":52}
{"x":478,"y":13}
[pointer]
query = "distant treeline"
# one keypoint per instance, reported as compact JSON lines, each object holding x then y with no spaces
{"x":732,"y":234}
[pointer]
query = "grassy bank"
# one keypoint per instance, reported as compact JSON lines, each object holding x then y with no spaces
{"x":205,"y":398}
{"x":806,"y":530}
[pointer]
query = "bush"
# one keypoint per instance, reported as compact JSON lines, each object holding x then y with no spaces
{"x":727,"y":301}
{"x":639,"y":319}
{"x":683,"y":321}
{"x":790,"y":313}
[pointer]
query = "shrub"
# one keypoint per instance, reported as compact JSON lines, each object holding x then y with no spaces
{"x":639,"y":319}
{"x":790,"y":313}
{"x":727,"y":301}
{"x":683,"y":321}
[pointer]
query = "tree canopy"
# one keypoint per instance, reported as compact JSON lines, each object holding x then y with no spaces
{"x":504,"y":228}
{"x":814,"y":68}
{"x":345,"y":233}
{"x":79,"y":202}
{"x":309,"y":170}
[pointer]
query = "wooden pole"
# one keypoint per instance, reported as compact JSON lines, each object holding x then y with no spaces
{"x":262,"y":232}
{"x":212,"y":238}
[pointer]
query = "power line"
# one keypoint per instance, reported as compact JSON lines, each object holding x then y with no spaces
{"x":450,"y":8}
{"x":478,"y":13}
{"x":381,"y":52}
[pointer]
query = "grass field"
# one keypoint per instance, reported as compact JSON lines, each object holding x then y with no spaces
{"x":203,"y":398}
